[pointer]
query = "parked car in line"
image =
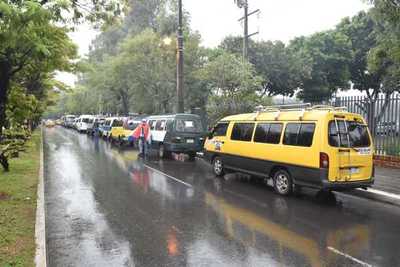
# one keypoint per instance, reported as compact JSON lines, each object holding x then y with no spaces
{"x":68,"y":121}
{"x":123,"y":136}
{"x":105,"y":129}
{"x":83,"y":122}
{"x":117,"y":130}
{"x":94,"y":124}
{"x":75,"y":124}
{"x":178,"y":133}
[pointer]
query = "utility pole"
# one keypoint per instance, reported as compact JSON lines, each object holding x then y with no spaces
{"x":179,"y":58}
{"x":246,"y":36}
{"x":246,"y":30}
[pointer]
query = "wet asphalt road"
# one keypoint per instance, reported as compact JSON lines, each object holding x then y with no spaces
{"x":106,"y":208}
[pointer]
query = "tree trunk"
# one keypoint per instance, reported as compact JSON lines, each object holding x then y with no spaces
{"x":4,"y":86}
{"x":125,"y":102}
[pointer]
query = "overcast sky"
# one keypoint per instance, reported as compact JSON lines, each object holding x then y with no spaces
{"x":277,"y":20}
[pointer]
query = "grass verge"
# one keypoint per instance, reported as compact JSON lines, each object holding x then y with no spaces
{"x":18,"y":190}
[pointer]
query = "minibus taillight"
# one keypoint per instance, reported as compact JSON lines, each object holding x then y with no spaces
{"x":323,"y":160}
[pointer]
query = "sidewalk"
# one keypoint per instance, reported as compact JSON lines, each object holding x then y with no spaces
{"x":387,"y":179}
{"x":386,"y":187}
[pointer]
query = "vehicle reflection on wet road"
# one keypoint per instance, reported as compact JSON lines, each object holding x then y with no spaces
{"x":106,"y":208}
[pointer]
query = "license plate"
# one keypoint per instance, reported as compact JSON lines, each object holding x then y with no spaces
{"x":354,"y":170}
{"x":190,"y":141}
{"x":364,"y":151}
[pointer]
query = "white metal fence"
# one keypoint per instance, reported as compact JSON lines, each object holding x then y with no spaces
{"x":383,"y":117}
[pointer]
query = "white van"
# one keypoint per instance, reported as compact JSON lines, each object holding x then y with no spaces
{"x":83,"y":123}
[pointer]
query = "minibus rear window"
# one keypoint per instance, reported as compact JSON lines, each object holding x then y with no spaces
{"x":268,"y":133}
{"x":188,"y":126}
{"x":357,"y":134}
{"x":85,"y":120}
{"x":242,"y":131}
{"x":299,"y":134}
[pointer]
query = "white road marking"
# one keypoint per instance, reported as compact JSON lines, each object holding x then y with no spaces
{"x":169,"y":176}
{"x":382,"y":193}
{"x":349,"y":257}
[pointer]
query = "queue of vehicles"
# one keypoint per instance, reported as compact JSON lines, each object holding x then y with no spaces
{"x":320,"y":147}
{"x":175,"y":133}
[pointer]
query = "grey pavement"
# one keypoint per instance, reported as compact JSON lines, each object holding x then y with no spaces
{"x":387,"y":179}
{"x":106,"y":208}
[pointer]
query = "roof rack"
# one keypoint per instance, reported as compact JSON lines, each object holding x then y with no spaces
{"x":330,"y":108}
{"x":303,"y":107}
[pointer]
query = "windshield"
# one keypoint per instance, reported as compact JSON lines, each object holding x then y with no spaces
{"x":357,"y":134}
{"x":117,"y":123}
{"x":86,"y":120}
{"x":188,"y":126}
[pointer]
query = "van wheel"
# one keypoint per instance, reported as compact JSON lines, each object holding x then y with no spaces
{"x":283,"y":183}
{"x":192,"y":156}
{"x":218,"y":166}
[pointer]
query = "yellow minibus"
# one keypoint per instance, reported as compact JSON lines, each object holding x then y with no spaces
{"x":321,"y":147}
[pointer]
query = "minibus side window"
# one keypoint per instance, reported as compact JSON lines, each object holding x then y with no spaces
{"x":274,"y":133}
{"x":299,"y":134}
{"x":269,"y":133}
{"x":306,"y":134}
{"x":220,"y":129}
{"x":242,"y":131}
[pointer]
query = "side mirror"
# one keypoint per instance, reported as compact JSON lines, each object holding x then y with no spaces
{"x":210,"y":135}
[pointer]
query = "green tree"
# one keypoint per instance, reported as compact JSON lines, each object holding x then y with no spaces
{"x":29,"y":44}
{"x":273,"y":61}
{"x":325,"y":57}
{"x":33,"y":44}
{"x":233,"y":84}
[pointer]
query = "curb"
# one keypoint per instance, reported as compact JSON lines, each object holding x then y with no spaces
{"x":40,"y":226}
{"x":373,"y":196}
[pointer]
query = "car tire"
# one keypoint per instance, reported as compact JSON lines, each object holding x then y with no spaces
{"x":192,"y":156}
{"x":218,"y":166}
{"x":283,"y":183}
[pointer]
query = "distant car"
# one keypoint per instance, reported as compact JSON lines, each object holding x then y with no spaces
{"x":49,"y":123}
{"x":117,"y":130}
{"x":94,"y":125}
{"x":123,"y":136}
{"x":83,"y":123}
{"x":105,"y":129}
{"x":59,"y":122}
{"x":68,"y":121}
{"x":75,"y":123}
